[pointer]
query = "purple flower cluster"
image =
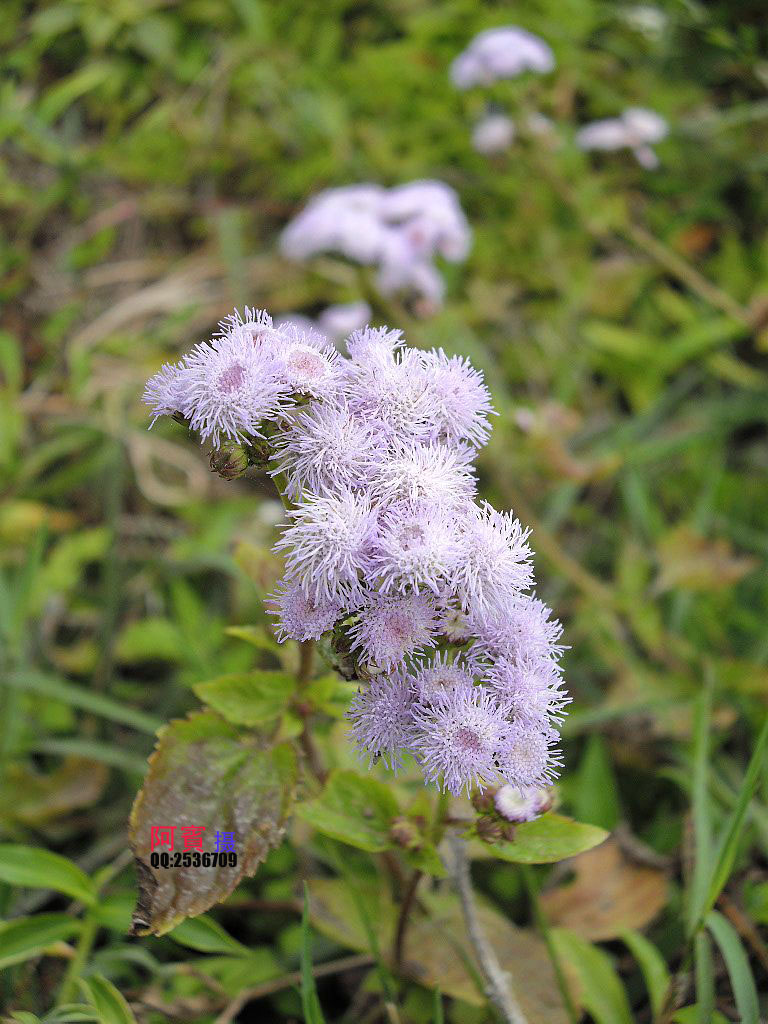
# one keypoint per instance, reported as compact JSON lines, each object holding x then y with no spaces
{"x":398,"y":230}
{"x":389,"y":555}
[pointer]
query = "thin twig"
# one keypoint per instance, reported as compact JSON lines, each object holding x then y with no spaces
{"x":409,"y":899}
{"x":498,"y":988}
{"x":268,"y":988}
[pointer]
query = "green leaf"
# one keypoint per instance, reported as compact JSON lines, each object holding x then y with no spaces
{"x":107,"y":1001}
{"x":310,"y":1002}
{"x":248,"y":698}
{"x":256,"y":636}
{"x":603,"y":994}
{"x":692,"y":1015}
{"x":657,"y":977}
{"x":79,"y":697}
{"x":25,"y":937}
{"x":739,"y":971}
{"x":596,"y":801}
{"x":42,"y":869}
{"x":728,"y":845}
{"x":354,"y":809}
{"x":207,"y":936}
{"x":550,"y":838}
{"x":207,"y":772}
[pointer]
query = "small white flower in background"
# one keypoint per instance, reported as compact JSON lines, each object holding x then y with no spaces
{"x":648,"y":20}
{"x":399,"y":230}
{"x":493,"y":134}
{"x":339,"y":321}
{"x":518,"y":805}
{"x":637,"y":129}
{"x":501,"y":53}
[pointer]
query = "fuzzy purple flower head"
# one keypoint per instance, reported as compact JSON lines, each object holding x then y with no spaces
{"x":420,"y":590}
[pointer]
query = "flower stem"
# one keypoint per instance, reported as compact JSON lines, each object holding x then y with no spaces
{"x":77,"y":963}
{"x":498,"y":987}
{"x":407,"y":905}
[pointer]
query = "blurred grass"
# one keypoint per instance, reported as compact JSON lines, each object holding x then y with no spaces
{"x":149,"y":154}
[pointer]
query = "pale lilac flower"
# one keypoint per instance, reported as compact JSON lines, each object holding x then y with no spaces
{"x":229,"y":386}
{"x":394,"y":396}
{"x":381,"y":718}
{"x":495,"y":560}
{"x":431,"y":212}
{"x":432,"y":679}
{"x":328,"y":546}
{"x":530,"y":687}
{"x":520,"y":628}
{"x":326,"y":450}
{"x":500,"y":53}
{"x":417,"y":547}
{"x":300,"y":618}
{"x":525,"y":755}
{"x":417,"y":472}
{"x":346,"y":220}
{"x":462,"y":402}
{"x":254,"y":322}
{"x":374,"y":346}
{"x":163,"y":392}
{"x":636,"y":129}
{"x":401,"y":271}
{"x":494,"y":133}
{"x":457,"y":738}
{"x":340,"y":320}
{"x":393,"y":627}
{"x":307,"y":364}
{"x":400,"y":231}
{"x":519,"y":805}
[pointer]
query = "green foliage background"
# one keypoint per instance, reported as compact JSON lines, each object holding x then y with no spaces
{"x":150,"y":152}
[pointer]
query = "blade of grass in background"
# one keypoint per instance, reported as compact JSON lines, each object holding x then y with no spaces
{"x":310,"y":1002}
{"x":737,"y":962}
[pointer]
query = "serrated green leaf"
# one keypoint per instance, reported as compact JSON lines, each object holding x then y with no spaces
{"x":206,"y":771}
{"x":603,"y":994}
{"x":548,"y":839}
{"x":25,"y":937}
{"x":248,"y":698}
{"x":43,"y":869}
{"x":355,"y":809}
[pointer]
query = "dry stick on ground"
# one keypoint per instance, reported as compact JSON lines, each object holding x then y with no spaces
{"x":498,"y":987}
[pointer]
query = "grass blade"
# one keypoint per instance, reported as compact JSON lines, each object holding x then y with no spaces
{"x":651,"y":962}
{"x":310,"y":1002}
{"x":739,"y":971}
{"x":730,"y":840}
{"x":701,"y":809}
{"x":705,"y":978}
{"x":79,"y":697}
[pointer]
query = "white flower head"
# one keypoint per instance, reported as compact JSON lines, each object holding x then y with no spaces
{"x":500,"y":53}
{"x":494,"y":133}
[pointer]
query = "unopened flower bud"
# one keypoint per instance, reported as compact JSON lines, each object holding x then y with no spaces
{"x":483,"y":799}
{"x":405,"y":833}
{"x":490,"y":830}
{"x":230,"y":461}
